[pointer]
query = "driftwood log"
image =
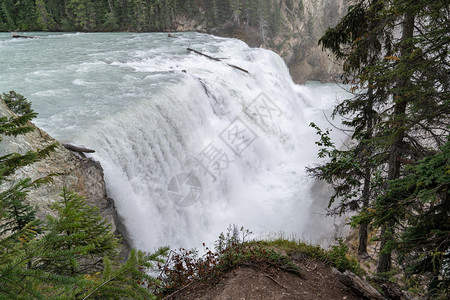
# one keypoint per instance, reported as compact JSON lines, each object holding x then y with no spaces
{"x":216,"y":59}
{"x":78,"y":148}
{"x":202,"y":54}
{"x":16,"y":36}
{"x":359,"y":286}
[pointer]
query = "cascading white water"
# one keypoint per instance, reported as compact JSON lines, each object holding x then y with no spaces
{"x":153,"y":111}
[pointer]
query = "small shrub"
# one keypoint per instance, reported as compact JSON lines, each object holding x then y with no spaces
{"x":338,"y":256}
{"x":231,"y":251}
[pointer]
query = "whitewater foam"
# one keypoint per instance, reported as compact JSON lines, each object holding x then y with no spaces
{"x":153,"y":110}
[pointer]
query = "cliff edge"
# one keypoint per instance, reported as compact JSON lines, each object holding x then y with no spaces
{"x":79,"y":174}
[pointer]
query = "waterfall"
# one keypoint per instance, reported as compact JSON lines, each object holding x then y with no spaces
{"x":189,"y":145}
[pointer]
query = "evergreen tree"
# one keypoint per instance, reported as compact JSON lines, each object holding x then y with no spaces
{"x":357,"y":40}
{"x":111,"y":22}
{"x":25,"y":18}
{"x":263,"y":16}
{"x":236,"y":9}
{"x":17,"y":103}
{"x":80,"y":270}
{"x":16,"y":212}
{"x":81,"y":13}
{"x":75,"y":256}
{"x":140,"y":15}
{"x":276,"y":19}
{"x":422,"y":200}
{"x":7,"y":13}
{"x":44,"y":19}
{"x":78,"y":238}
{"x":392,"y":125}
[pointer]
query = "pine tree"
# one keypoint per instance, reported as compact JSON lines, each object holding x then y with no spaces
{"x":392,"y":125}
{"x":422,"y":198}
{"x":81,"y":269}
{"x":128,"y":280}
{"x":16,"y":212}
{"x":7,"y":12}
{"x":357,"y":40}
{"x":44,"y":20}
{"x":81,"y":13}
{"x":236,"y":10}
{"x":110,"y":23}
{"x":276,"y":19}
{"x":18,"y":222}
{"x":140,"y":15}
{"x":78,"y":238}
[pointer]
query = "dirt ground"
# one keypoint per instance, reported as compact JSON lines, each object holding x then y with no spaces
{"x":268,"y":282}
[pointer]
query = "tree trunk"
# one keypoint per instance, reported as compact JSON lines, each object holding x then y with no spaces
{"x":396,"y":150}
{"x":363,"y":236}
{"x":367,"y":153}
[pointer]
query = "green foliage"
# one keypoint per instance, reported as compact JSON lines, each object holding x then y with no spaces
{"x":111,"y":22}
{"x":44,"y":20}
{"x":17,"y":103}
{"x":82,"y":14}
{"x":344,"y":170}
{"x":422,"y":197}
{"x":336,"y":256}
{"x":71,"y":256}
{"x":77,"y":238}
{"x":6,"y":13}
{"x":128,"y":280}
{"x":75,"y":258}
{"x":393,"y":56}
{"x":136,"y":15}
{"x":16,"y":213}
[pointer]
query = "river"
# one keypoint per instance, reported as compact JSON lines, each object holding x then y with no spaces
{"x":189,"y":145}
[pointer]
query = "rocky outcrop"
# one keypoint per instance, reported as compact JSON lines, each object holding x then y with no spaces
{"x":303,"y":23}
{"x":80,"y":174}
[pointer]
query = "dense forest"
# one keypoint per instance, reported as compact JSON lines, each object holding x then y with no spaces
{"x":395,"y":175}
{"x":134,"y":15}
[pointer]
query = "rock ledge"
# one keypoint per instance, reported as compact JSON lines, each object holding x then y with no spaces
{"x":79,"y":174}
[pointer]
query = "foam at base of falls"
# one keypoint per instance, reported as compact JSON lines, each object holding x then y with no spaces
{"x":156,"y":114}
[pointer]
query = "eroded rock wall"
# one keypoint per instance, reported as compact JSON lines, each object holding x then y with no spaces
{"x":79,"y":174}
{"x":303,"y":23}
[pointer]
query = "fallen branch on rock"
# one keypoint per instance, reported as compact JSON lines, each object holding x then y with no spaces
{"x":216,"y":59}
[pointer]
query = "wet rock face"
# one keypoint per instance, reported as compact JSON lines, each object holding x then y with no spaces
{"x":79,"y":174}
{"x":303,"y":24}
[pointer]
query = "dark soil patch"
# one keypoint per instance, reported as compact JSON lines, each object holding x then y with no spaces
{"x":269,"y":282}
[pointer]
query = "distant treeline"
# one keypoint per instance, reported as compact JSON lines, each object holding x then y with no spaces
{"x":134,"y":15}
